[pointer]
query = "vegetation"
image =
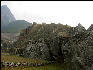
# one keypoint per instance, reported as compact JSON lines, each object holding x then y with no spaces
{"x":47,"y":67}
{"x":14,"y":58}
{"x":15,"y":26}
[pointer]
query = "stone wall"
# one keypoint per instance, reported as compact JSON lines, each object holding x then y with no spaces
{"x":12,"y":64}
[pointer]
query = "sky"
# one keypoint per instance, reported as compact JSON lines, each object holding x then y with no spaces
{"x":64,"y":12}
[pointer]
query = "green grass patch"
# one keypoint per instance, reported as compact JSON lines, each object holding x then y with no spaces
{"x":14,"y":58}
{"x":47,"y":67}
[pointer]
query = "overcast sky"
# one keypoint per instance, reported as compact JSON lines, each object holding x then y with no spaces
{"x":65,"y":12}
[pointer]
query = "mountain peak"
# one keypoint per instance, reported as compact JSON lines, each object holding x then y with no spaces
{"x":4,"y":5}
{"x":6,"y":15}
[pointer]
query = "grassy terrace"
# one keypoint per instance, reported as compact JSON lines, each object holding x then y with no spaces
{"x":14,"y":58}
{"x":47,"y":67}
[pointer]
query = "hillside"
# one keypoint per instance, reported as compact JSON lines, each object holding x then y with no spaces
{"x":15,"y":26}
{"x":9,"y":36}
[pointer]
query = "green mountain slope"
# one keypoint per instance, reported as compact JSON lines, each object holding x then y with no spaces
{"x":15,"y":26}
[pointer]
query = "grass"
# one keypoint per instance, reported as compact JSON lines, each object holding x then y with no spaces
{"x":47,"y":67}
{"x":14,"y":58}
